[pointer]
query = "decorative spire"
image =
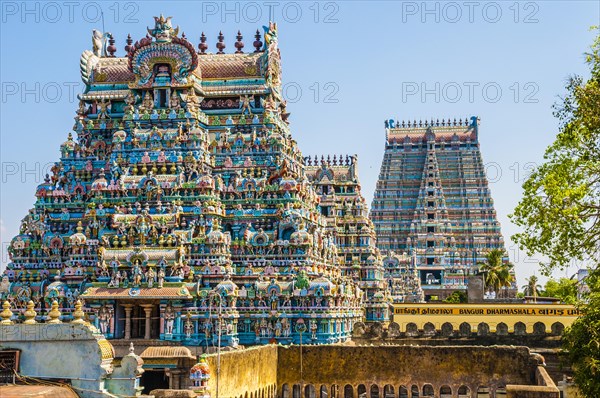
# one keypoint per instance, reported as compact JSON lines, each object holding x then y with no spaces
{"x":78,"y":313}
{"x":202,"y":46}
{"x":257,"y":43}
{"x":54,"y":313}
{"x":239,"y":44}
{"x":111,"y":49}
{"x":131,"y":349}
{"x":30,"y":314}
{"x":129,"y":42}
{"x":6,"y":314}
{"x":220,"y":45}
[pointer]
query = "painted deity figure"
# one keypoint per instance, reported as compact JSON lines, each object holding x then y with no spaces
{"x":285,"y":324}
{"x":147,"y":102}
{"x":169,"y":319}
{"x":102,"y":110}
{"x":264,"y":329}
{"x":163,"y":29}
{"x":208,"y":328}
{"x":161,"y":276}
{"x":175,"y":101}
{"x":245,"y":104}
{"x":137,"y":275}
{"x":104,"y":318}
{"x":98,"y":43}
{"x":313,"y":329}
{"x":150,"y":277}
{"x":188,"y":328}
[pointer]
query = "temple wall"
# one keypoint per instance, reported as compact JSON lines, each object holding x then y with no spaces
{"x":249,"y":373}
{"x":352,"y":371}
{"x":405,"y":366}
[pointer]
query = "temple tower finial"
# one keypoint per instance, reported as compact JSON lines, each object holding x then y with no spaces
{"x":129,"y":42}
{"x":257,"y":43}
{"x":202,"y":46}
{"x":239,"y":44}
{"x":220,"y":44}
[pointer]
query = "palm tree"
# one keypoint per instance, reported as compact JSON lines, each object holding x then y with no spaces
{"x":497,"y":273}
{"x":532,"y":288}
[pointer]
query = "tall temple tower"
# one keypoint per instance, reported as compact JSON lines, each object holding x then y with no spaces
{"x":345,"y":209}
{"x":181,"y":209}
{"x":432,"y":202}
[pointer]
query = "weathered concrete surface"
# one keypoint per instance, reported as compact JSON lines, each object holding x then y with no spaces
{"x":61,"y":351}
{"x":250,"y":371}
{"x":545,"y":387}
{"x":71,"y":351}
{"x":254,"y":372}
{"x":172,"y":394}
{"x":19,"y":391}
{"x":531,"y":392}
{"x":404,"y":365}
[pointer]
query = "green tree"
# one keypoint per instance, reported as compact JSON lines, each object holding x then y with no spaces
{"x":457,"y":297}
{"x":532,"y":288}
{"x":581,"y":341}
{"x":497,"y":273}
{"x":565,"y":289}
{"x":560,"y":213}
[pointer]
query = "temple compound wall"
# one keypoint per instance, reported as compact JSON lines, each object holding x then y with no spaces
{"x":336,"y":371}
{"x":249,"y":373}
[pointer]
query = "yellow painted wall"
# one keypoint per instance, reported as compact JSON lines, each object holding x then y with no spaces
{"x":492,"y":314}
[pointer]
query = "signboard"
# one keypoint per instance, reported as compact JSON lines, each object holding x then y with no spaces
{"x":488,"y":310}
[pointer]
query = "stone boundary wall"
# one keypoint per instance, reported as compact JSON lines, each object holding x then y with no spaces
{"x":336,"y":371}
{"x":248,"y":373}
{"x":349,"y":368}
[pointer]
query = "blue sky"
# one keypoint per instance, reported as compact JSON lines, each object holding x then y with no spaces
{"x":347,"y":66}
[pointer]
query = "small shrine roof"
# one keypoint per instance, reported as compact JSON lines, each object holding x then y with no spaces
{"x":104,"y":94}
{"x":111,"y":70}
{"x":167,"y":293}
{"x":166,"y":352}
{"x":151,"y":253}
{"x":222,"y":66}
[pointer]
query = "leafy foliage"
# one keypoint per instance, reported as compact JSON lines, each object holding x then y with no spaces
{"x":457,"y":297}
{"x":565,"y":289}
{"x":532,"y":288}
{"x":497,"y":273}
{"x":581,"y":341}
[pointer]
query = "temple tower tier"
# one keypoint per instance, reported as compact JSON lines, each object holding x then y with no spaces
{"x":181,"y":208}
{"x":433,"y":205}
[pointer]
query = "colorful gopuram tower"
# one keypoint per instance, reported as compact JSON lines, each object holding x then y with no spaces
{"x":181,"y":208}
{"x":432,"y":203}
{"x":342,"y":204}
